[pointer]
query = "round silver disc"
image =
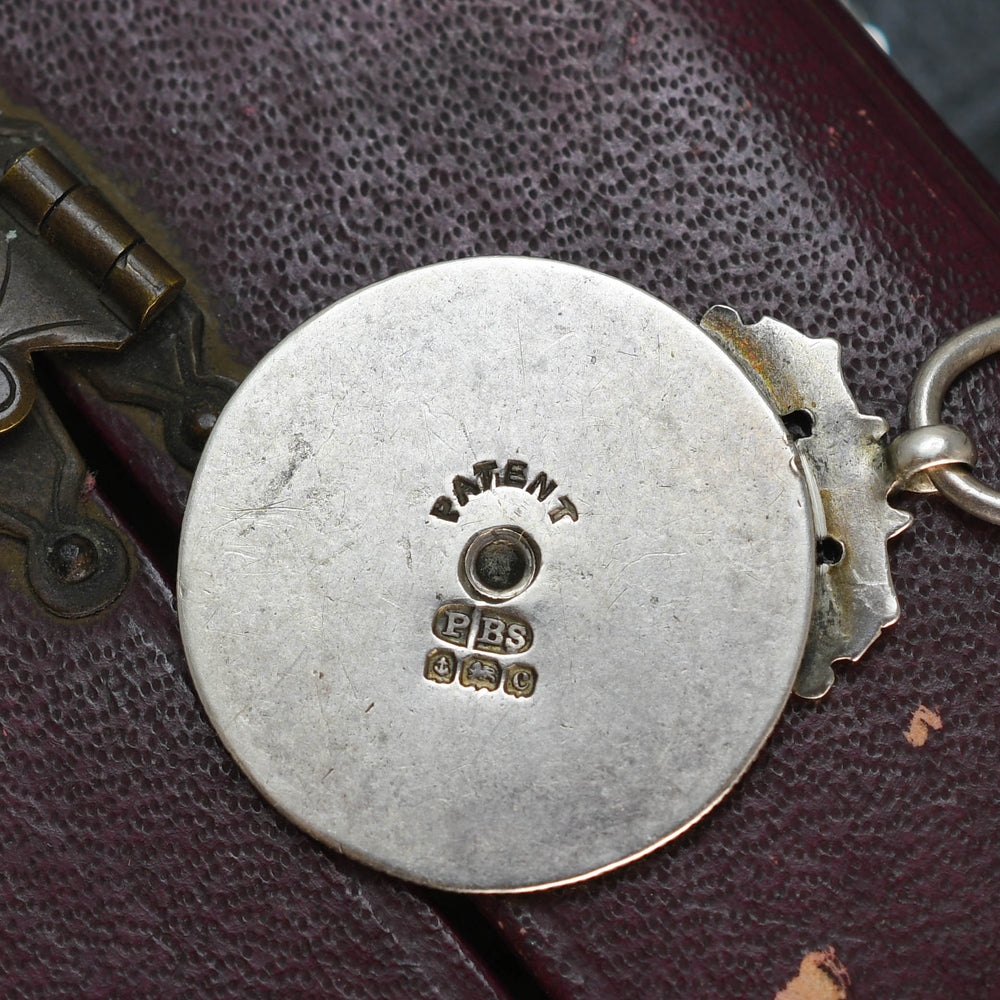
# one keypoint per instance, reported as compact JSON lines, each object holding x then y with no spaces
{"x":496,"y":574}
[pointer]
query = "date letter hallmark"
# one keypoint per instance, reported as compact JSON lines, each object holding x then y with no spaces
{"x":480,"y":631}
{"x":520,"y":681}
{"x":488,"y":476}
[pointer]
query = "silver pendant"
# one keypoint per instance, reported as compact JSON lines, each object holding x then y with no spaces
{"x":497,"y":574}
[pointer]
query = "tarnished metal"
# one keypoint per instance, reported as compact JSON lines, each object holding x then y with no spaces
{"x":140,"y":285}
{"x":46,"y":299}
{"x":136,"y":282}
{"x":405,"y":681}
{"x":65,"y":257}
{"x":75,"y":561}
{"x":934,"y":377}
{"x":33,"y":183}
{"x":163,"y":371}
{"x":45,"y":304}
{"x":843,"y":454}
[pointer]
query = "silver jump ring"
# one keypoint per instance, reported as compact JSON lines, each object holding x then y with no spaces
{"x":931,"y":383}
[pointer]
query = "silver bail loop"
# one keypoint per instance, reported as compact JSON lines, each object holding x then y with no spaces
{"x":932,"y":381}
{"x":914,"y":453}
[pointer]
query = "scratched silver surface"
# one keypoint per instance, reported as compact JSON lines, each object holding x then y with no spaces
{"x":668,"y":619}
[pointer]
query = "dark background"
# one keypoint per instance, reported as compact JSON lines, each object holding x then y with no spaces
{"x":949,"y":52}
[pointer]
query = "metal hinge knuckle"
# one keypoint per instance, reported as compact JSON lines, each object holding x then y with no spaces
{"x":135,"y":282}
{"x":78,"y":279}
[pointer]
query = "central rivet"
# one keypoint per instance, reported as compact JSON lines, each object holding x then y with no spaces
{"x":73,"y":558}
{"x":499,"y":563}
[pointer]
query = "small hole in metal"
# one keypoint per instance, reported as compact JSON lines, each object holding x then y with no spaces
{"x":197,"y":424}
{"x":799,"y":424}
{"x":500,"y":565}
{"x":829,"y":551}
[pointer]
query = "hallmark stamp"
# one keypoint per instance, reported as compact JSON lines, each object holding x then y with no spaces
{"x":500,"y":633}
{"x":520,"y":680}
{"x":453,"y":623}
{"x":484,"y":630}
{"x":440,"y":666}
{"x":480,"y":672}
{"x":475,"y":630}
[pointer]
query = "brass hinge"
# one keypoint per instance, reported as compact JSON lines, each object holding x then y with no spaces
{"x":75,"y":276}
{"x":42,"y":311}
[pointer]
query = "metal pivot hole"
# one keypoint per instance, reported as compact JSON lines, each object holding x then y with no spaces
{"x":499,"y":563}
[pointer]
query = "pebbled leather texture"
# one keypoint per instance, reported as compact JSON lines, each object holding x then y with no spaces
{"x":137,"y":862}
{"x":770,"y":160}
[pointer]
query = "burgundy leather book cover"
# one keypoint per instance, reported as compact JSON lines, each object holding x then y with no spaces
{"x":765,"y":158}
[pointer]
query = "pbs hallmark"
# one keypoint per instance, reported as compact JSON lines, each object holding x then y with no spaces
{"x":481,"y":629}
